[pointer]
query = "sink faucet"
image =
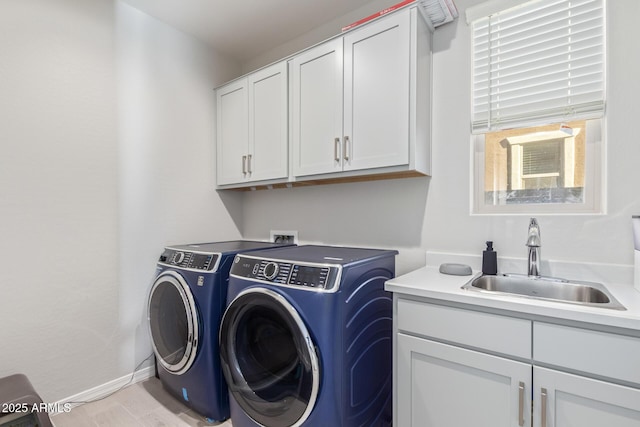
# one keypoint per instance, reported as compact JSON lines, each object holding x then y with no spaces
{"x":533,"y":243}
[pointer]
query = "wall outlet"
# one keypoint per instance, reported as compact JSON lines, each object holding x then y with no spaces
{"x":284,"y":236}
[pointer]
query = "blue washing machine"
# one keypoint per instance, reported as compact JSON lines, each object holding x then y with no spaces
{"x":306,"y":338}
{"x":185,"y":305}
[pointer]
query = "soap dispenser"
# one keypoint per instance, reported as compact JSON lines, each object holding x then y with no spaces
{"x":489,"y":260}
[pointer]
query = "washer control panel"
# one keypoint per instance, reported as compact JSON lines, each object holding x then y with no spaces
{"x":188,"y":260}
{"x":322,"y":277}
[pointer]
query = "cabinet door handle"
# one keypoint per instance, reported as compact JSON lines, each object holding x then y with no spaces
{"x":244,"y":165}
{"x":249,"y":163}
{"x":336,"y":149}
{"x":521,"y":404}
{"x":543,"y":408}
{"x":346,"y":149}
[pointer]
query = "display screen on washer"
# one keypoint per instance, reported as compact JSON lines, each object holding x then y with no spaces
{"x":309,"y":276}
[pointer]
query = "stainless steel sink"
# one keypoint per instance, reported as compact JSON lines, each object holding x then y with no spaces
{"x":546,"y":288}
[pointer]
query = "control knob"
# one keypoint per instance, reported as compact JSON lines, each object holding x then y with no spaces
{"x":178,"y":257}
{"x":271,"y":270}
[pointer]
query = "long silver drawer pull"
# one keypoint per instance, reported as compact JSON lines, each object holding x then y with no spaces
{"x":543,"y":408}
{"x":244,"y":165}
{"x":346,"y":148}
{"x":249,"y":163}
{"x":336,"y":149}
{"x":521,"y":404}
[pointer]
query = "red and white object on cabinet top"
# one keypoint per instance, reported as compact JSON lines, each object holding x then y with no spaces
{"x":438,"y":12}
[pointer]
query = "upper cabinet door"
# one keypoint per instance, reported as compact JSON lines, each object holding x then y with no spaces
{"x":376,"y":93}
{"x":267,"y":157}
{"x":232,"y":132}
{"x":316,"y":87}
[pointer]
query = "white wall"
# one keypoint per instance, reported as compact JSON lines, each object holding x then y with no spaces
{"x":421,"y":214}
{"x":58,"y":193}
{"x":166,"y":114}
{"x":605,"y":238}
{"x":106,"y":130}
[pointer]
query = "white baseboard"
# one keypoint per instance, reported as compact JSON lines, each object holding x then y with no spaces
{"x":103,"y":390}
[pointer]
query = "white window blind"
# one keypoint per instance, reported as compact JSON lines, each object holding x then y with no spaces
{"x":541,"y":158}
{"x":537,"y":63}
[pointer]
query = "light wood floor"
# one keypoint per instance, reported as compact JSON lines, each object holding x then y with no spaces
{"x":145,"y":404}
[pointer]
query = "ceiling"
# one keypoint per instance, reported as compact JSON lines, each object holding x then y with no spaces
{"x":243,"y":29}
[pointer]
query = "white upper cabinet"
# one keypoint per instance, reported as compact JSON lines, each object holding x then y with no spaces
{"x":376,"y":94}
{"x":232,"y":132}
{"x":252,"y":120}
{"x":361,"y":102}
{"x":358,"y":104}
{"x":316,"y":109}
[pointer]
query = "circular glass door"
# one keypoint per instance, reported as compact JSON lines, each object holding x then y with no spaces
{"x":173,"y":321}
{"x":269,"y":359}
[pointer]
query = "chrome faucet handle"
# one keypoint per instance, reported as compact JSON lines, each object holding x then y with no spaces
{"x":533,"y":239}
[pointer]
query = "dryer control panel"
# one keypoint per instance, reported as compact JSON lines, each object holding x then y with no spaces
{"x":199,"y":261}
{"x":309,"y":276}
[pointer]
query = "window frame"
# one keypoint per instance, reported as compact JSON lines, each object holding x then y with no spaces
{"x":594,"y":193}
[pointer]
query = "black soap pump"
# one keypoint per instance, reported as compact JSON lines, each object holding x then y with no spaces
{"x":489,"y":260}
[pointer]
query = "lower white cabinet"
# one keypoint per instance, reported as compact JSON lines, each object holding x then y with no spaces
{"x":440,"y":385}
{"x":452,"y":370}
{"x":566,"y":400}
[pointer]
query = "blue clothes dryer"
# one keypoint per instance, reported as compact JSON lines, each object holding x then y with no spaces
{"x":185,"y":305}
{"x":306,"y":338}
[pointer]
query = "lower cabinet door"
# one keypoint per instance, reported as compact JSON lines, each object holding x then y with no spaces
{"x":440,"y":385}
{"x":566,"y":400}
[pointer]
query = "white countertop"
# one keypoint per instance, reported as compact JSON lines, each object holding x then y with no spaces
{"x":428,"y":282}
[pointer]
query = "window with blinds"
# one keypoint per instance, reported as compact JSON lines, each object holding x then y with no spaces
{"x":541,"y":61}
{"x":542,"y":158}
{"x":538,"y":105}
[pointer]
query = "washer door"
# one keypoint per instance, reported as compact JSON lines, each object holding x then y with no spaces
{"x":173,"y":320}
{"x":269,"y":359}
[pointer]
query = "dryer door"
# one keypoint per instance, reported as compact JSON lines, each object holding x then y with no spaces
{"x":173,"y":320}
{"x":269,"y":359}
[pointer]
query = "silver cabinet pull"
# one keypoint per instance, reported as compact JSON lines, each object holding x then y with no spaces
{"x":244,"y":165}
{"x":521,"y":404}
{"x":346,"y":149}
{"x":336,"y":149}
{"x":249,"y":163}
{"x":543,"y":408}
